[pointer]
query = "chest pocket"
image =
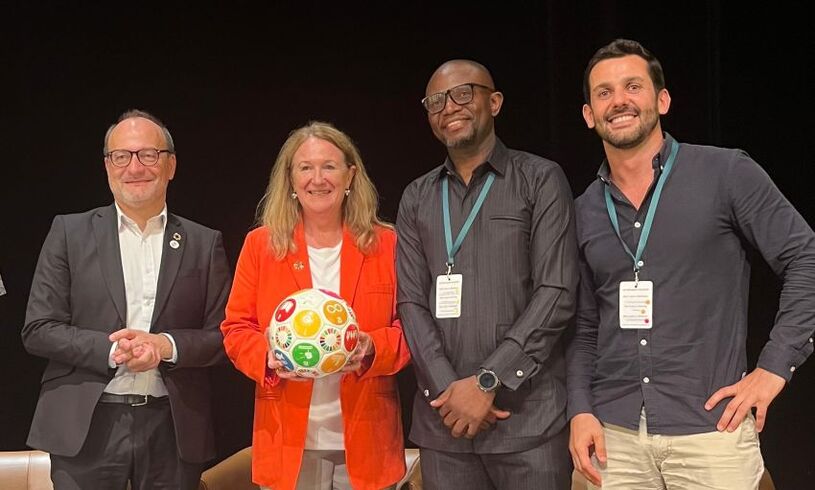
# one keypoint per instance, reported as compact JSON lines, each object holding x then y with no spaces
{"x":374,"y":305}
{"x":509,"y":233}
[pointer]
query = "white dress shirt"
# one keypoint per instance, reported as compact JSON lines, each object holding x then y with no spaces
{"x":324,"y":429}
{"x":141,"y":261}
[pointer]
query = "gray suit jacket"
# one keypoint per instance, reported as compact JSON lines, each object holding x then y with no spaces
{"x":78,"y":298}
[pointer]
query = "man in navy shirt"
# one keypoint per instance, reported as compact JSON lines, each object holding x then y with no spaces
{"x":658,"y":382}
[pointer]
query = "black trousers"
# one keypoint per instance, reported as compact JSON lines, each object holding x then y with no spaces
{"x":546,"y":467}
{"x":135,"y":444}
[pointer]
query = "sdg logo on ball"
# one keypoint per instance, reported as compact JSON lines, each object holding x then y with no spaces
{"x":313,"y":333}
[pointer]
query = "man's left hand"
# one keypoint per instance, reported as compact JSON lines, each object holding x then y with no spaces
{"x":465,"y":408}
{"x":757,"y":389}
{"x":140,"y":351}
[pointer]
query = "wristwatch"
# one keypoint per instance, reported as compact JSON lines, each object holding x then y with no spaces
{"x":487,"y":381}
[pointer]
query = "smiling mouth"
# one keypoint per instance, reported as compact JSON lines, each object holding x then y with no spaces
{"x":319,"y":193}
{"x":622,"y":118}
{"x":454,"y":124}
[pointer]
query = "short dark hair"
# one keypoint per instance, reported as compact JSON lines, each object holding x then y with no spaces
{"x":131,"y":113}
{"x":617,"y":49}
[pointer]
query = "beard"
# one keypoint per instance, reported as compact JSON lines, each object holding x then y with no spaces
{"x":462,"y":141}
{"x":631,"y":137}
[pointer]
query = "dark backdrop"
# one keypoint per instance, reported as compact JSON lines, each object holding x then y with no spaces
{"x":232,"y":81}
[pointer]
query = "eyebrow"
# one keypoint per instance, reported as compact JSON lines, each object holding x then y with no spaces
{"x":299,"y":162}
{"x":627,"y":80}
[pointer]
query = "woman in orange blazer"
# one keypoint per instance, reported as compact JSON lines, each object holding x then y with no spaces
{"x":320,"y":229}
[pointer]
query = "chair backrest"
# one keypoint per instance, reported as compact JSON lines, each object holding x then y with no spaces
{"x":413,"y":477}
{"x":233,"y":473}
{"x":766,"y":482}
{"x":25,"y":470}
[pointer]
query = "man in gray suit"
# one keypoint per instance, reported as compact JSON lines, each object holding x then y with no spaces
{"x":487,"y":268}
{"x":126,"y":304}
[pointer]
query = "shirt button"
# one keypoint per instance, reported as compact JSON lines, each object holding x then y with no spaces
{"x":640,"y":263}
{"x":637,"y":224}
{"x":810,"y":340}
{"x":519,"y":373}
{"x":792,"y":369}
{"x":643,"y":342}
{"x":426,"y":393}
{"x":646,"y":380}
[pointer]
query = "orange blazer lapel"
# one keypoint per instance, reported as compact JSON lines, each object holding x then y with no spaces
{"x":298,"y":261}
{"x":351,"y":260}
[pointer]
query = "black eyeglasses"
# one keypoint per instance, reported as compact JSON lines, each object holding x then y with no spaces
{"x":146,"y":156}
{"x":460,"y":94}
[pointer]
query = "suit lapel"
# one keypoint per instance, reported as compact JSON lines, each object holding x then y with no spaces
{"x":350,"y":266}
{"x":298,"y":261}
{"x":175,"y":243}
{"x":106,"y":232}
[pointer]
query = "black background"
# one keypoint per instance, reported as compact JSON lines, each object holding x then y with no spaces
{"x":232,"y":80}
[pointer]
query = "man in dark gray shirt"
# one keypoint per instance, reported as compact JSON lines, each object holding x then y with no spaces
{"x":659,"y":354}
{"x":487,"y":271}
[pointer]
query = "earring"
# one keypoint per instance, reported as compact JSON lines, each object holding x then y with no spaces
{"x":347,"y":192}
{"x":294,"y":195}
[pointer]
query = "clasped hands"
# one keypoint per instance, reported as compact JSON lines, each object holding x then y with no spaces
{"x":365,"y":347}
{"x":140,"y":351}
{"x":467,"y":410}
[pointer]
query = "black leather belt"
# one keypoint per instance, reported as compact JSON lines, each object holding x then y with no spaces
{"x":132,"y":400}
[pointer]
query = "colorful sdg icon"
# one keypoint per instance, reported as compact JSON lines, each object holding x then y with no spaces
{"x":313,"y":333}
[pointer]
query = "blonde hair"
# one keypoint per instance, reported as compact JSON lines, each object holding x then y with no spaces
{"x":279,"y":213}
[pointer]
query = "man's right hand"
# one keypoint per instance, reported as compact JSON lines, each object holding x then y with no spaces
{"x":466,"y":410}
{"x":587,"y":438}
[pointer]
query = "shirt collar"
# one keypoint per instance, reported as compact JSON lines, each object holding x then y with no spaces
{"x":497,"y":161}
{"x":124,"y":221}
{"x":604,"y":173}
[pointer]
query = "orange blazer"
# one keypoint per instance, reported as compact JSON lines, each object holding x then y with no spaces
{"x":372,"y":422}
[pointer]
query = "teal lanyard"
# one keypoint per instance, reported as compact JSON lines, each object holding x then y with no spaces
{"x":649,"y":216}
{"x":452,"y":248}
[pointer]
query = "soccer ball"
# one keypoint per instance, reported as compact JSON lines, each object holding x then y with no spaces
{"x":313,"y":333}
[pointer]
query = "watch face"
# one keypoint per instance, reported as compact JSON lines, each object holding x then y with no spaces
{"x":487,"y":380}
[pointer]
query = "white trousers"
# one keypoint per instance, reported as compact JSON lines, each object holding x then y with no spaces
{"x":712,"y":460}
{"x":323,"y":470}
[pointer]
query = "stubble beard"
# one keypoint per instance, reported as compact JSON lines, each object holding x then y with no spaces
{"x":462,"y":141}
{"x":648,"y":121}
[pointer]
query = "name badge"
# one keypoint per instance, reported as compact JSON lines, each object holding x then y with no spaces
{"x":448,"y":295}
{"x":636,"y":304}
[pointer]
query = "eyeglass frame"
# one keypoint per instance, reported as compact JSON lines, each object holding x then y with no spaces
{"x":447,"y":96}
{"x":138,"y":158}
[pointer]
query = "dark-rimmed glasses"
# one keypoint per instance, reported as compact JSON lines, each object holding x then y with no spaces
{"x":146,"y":156}
{"x":460,"y":94}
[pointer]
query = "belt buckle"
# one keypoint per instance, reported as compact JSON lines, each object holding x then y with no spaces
{"x":140,"y":403}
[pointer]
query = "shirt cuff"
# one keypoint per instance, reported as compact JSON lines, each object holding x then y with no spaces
{"x":113,"y":348}
{"x":511,"y":364}
{"x":782,"y":360}
{"x":579,"y":402}
{"x":174,"y":358}
{"x":439,"y":376}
